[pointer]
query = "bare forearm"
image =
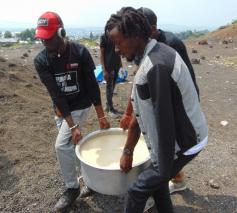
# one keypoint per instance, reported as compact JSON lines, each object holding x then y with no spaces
{"x":104,"y":124}
{"x":129,"y":108}
{"x":133,"y":135}
{"x":70,"y":121}
{"x":99,"y":111}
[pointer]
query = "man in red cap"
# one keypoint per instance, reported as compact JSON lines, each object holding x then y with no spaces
{"x":67,"y":71}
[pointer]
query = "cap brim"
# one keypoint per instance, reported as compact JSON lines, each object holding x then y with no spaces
{"x":44,"y":34}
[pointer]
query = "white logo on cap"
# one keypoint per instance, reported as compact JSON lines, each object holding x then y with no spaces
{"x":43,"y":22}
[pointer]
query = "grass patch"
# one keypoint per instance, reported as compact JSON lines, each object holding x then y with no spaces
{"x":88,"y":42}
{"x":231,"y":61}
{"x":14,"y":45}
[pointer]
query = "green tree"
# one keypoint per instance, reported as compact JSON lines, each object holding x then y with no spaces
{"x":27,"y":35}
{"x":91,"y":36}
{"x":7,"y":34}
{"x":191,"y":34}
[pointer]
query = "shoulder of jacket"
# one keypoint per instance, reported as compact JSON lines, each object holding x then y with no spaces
{"x":41,"y":56}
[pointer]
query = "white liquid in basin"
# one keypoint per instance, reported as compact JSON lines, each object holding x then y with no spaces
{"x":105,"y":151}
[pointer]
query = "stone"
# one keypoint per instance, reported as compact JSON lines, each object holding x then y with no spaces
{"x":195,"y":61}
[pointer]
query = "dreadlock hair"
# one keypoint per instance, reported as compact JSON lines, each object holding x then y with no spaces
{"x":130,"y":22}
{"x":149,"y":14}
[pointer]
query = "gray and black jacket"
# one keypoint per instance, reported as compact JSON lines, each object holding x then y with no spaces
{"x":173,"y":41}
{"x":167,"y":108}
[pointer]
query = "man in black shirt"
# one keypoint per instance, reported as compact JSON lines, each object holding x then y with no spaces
{"x":169,"y":39}
{"x":111,"y":63}
{"x":177,"y":183}
{"x":67,"y":71}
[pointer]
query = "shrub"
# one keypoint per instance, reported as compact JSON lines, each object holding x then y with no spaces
{"x":7,"y":34}
{"x":27,"y":35}
{"x":234,"y":21}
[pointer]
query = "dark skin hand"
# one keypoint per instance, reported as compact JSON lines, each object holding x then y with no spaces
{"x":126,"y":162}
{"x":76,"y":135}
{"x":132,"y":139}
{"x":104,"y":124}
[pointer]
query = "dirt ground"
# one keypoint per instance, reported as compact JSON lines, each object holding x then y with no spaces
{"x":30,"y":180}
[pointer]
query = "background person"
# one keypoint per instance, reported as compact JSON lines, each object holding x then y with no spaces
{"x":166,"y":110}
{"x":111,"y":63}
{"x":67,"y":71}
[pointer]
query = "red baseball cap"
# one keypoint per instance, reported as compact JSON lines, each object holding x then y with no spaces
{"x":47,"y":25}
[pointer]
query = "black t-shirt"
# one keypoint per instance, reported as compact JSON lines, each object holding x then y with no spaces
{"x":112,"y":60}
{"x":70,"y":78}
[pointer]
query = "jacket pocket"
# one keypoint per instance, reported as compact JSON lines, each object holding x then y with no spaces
{"x":143,"y":91}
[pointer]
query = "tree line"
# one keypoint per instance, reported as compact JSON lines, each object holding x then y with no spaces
{"x":191,"y":34}
{"x":28,"y":34}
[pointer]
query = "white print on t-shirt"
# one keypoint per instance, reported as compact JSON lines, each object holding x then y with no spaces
{"x":68,"y":82}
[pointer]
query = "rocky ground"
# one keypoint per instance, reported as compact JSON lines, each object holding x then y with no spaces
{"x":29,"y":177}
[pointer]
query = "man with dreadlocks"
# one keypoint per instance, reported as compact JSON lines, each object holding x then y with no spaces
{"x":166,"y":110}
{"x":168,"y":38}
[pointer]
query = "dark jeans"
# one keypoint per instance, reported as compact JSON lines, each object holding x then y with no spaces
{"x":110,"y":85}
{"x":149,"y":184}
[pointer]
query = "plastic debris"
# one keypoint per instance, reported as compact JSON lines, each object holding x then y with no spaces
{"x":224,"y":123}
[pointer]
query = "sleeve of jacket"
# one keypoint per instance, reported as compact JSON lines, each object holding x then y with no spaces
{"x":160,"y":90}
{"x":49,"y":81}
{"x":179,"y":46}
{"x":92,"y":86}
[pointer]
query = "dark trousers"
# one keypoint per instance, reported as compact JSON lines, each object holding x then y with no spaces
{"x":110,"y":85}
{"x":148,"y":184}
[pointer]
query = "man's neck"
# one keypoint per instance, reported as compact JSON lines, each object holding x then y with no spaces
{"x":62,"y":47}
{"x":142,"y":48}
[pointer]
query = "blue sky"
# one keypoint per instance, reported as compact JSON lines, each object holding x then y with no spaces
{"x":94,"y":13}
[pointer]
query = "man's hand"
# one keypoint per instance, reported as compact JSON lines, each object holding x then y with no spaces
{"x":126,"y":162}
{"x":125,"y":121}
{"x":76,"y":136}
{"x":104,"y":124}
{"x":57,"y":112}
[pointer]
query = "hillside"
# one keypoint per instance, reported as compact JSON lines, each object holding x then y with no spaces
{"x":225,"y":32}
